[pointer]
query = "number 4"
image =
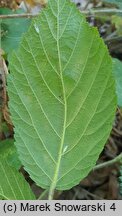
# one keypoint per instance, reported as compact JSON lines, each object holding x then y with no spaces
{"x":113,"y":207}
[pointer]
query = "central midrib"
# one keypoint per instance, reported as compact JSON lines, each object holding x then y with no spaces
{"x":56,"y":172}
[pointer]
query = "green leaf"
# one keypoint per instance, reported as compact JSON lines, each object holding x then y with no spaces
{"x":12,"y":184}
{"x":118,"y":78}
{"x":6,"y":147}
{"x":12,"y":30}
{"x":62,"y":96}
{"x":9,"y":152}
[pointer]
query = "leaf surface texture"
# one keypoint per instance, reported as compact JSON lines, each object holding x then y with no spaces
{"x":12,"y":184}
{"x":62,"y":96}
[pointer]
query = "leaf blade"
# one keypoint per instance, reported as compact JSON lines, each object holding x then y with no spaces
{"x":9,"y":152}
{"x":12,"y":184}
{"x":72,"y":68}
{"x":12,"y":30}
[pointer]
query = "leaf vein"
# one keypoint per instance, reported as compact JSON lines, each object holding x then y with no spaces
{"x":34,"y":159}
{"x":89,"y":90}
{"x":90,"y":119}
{"x":34,"y":94}
{"x":34,"y":126}
{"x":8,"y":180}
